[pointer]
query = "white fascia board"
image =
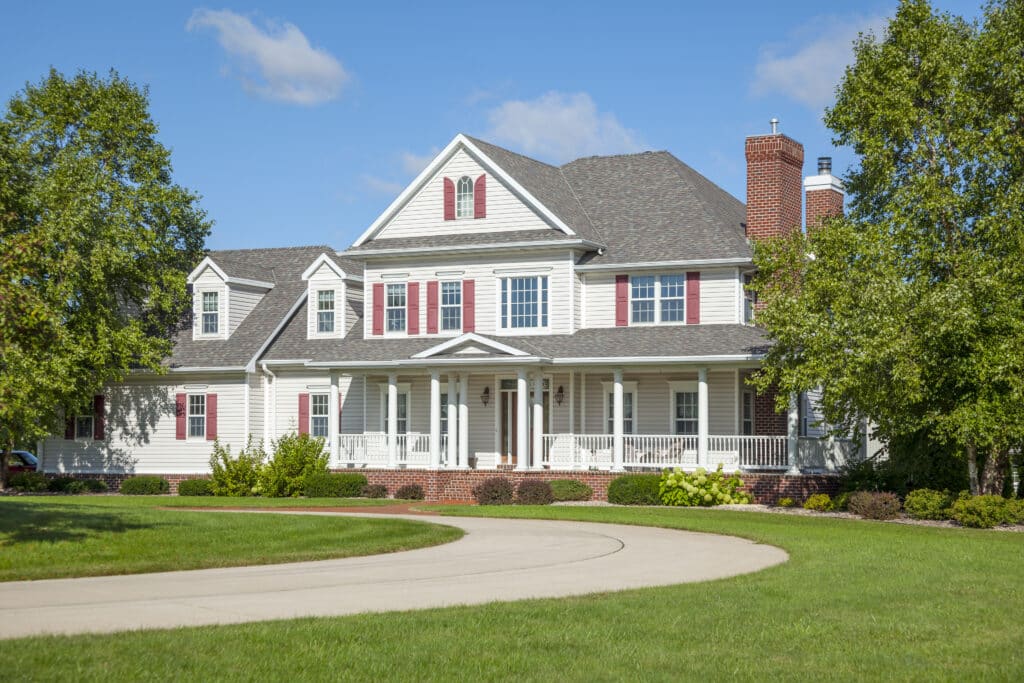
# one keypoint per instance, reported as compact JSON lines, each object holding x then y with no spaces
{"x":470,"y":337}
{"x":542,"y":244}
{"x":203,"y":265}
{"x":435,"y":165}
{"x":323,"y":259}
{"x":249,"y":283}
{"x":236,"y":368}
{"x":649,"y":360}
{"x":251,"y":365}
{"x":427,"y":362}
{"x":693,"y":263}
{"x":823,"y":182}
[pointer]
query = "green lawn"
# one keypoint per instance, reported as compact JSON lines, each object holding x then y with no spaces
{"x":52,"y":537}
{"x":857,"y":600}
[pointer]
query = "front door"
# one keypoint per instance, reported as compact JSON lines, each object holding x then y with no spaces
{"x":510,"y":422}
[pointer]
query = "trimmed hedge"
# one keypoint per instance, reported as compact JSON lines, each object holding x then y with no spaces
{"x":786,"y":502}
{"x":144,"y":486}
{"x":570,"y":489}
{"x":334,"y":485}
{"x":28,"y":482}
{"x":493,"y":491}
{"x":819,"y":502}
{"x":985,"y":512}
{"x":635,"y":489}
{"x":874,"y":504}
{"x":928,"y":504}
{"x":534,"y":492}
{"x":410,"y":492}
{"x":195,"y":487}
{"x":375,"y":491}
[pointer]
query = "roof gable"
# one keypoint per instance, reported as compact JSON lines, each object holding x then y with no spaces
{"x":471,"y":344}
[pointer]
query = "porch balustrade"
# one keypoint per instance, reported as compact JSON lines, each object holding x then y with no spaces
{"x":371,"y":449}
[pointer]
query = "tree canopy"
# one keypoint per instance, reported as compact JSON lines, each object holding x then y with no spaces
{"x":909,"y":310}
{"x":96,"y":240}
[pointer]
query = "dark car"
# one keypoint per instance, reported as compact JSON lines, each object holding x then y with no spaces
{"x":20,"y":461}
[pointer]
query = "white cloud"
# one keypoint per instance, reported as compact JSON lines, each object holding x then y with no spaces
{"x":810,"y":73}
{"x":381,"y":186}
{"x":276,"y":62}
{"x":413,"y":164}
{"x":559,"y":127}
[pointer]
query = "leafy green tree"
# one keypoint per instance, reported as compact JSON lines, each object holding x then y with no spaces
{"x":910,"y":309}
{"x":95,"y":242}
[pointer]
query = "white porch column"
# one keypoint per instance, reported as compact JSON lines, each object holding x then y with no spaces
{"x":702,"y":417}
{"x":583,"y":403}
{"x":463,"y":420}
{"x":572,"y":419}
{"x":392,"y":420}
{"x":333,"y":421}
{"x":522,"y":428}
{"x":538,"y":421}
{"x":453,"y":420}
{"x":435,"y":419}
{"x":617,"y":422}
{"x":793,"y":433}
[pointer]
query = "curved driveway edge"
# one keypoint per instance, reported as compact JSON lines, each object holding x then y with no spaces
{"x":497,"y":560}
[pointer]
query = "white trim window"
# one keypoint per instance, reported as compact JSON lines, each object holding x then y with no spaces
{"x":394,"y":308}
{"x":84,"y":427}
{"x":210,"y":312}
{"x":629,"y":406}
{"x":657,"y":299}
{"x":451,"y":306}
{"x":747,"y":414}
{"x":749,"y":300}
{"x":197,"y":416}
{"x":464,"y":197}
{"x":319,"y":415}
{"x":524,"y":302}
{"x":685,"y":410}
{"x":403,"y":411}
{"x":325,"y":311}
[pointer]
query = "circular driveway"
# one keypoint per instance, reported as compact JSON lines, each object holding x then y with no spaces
{"x":496,"y":560}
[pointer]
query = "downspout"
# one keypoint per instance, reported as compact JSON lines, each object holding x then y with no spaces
{"x":246,"y":401}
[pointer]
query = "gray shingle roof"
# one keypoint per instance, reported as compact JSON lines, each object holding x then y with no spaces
{"x":461,"y":240}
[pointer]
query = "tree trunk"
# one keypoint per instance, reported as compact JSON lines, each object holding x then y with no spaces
{"x":994,"y":473}
{"x":3,"y":465}
{"x":972,"y":468}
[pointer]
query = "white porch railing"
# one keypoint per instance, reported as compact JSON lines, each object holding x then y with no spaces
{"x":752,"y":452}
{"x":825,"y":455}
{"x":659,"y":450}
{"x":371,"y":450}
{"x":577,"y":451}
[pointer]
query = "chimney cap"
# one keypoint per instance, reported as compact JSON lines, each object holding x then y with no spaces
{"x":775,"y":125}
{"x":824,"y":165}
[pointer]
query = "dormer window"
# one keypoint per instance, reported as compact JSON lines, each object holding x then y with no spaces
{"x":464,"y":198}
{"x":211,"y":313}
{"x":325,"y":311}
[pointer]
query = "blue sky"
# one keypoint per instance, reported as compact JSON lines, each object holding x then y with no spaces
{"x":300,"y":123}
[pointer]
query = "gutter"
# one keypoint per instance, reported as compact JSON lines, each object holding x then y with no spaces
{"x":691,"y":263}
{"x":547,"y":244}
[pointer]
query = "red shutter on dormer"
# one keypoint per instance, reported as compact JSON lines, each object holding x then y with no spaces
{"x":449,"y":199}
{"x":303,"y":413}
{"x":621,"y":300}
{"x":179,"y":416}
{"x":432,"y":307}
{"x":468,"y":305}
{"x":211,"y":417}
{"x":692,"y":298}
{"x":98,"y":418}
{"x":413,"y":308}
{"x":378,"y":308}
{"x":480,"y":197}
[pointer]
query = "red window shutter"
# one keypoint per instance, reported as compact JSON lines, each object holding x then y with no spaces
{"x":449,"y":199}
{"x":98,"y":418}
{"x":432,"y":307}
{"x":413,"y":308}
{"x":469,"y":305}
{"x":180,"y":416}
{"x":378,"y":308}
{"x":69,"y":428}
{"x":621,"y":300}
{"x":692,"y":298}
{"x":303,"y":413}
{"x":480,"y":197}
{"x":211,"y":417}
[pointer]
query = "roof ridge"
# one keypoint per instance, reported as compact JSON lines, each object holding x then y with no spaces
{"x":617,"y":156}
{"x":583,"y":208}
{"x":509,"y":151}
{"x":677,"y":167}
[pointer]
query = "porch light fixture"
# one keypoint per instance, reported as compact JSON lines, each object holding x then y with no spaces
{"x":485,"y":397}
{"x":559,"y":395}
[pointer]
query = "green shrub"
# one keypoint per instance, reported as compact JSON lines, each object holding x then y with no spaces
{"x":236,"y":476}
{"x":700,"y":488}
{"x":195,"y":487}
{"x":984,"y":512}
{"x":570,"y":489}
{"x":820,"y":502}
{"x":913,"y":461}
{"x":534,"y":492}
{"x":375,"y":491}
{"x":95,"y":485}
{"x":786,"y":502}
{"x":842,"y":501}
{"x":493,"y":491}
{"x":296,"y":456}
{"x":928,"y":504}
{"x":334,"y":485}
{"x":635,"y":489}
{"x":410,"y":492}
{"x":144,"y":486}
{"x":61,"y":485}
{"x":874,"y":504}
{"x":29,"y":482}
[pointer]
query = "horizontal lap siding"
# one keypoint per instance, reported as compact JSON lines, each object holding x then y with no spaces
{"x":718,"y":302}
{"x":353,"y":390}
{"x":291,"y":383}
{"x":255,"y":406}
{"x":242,"y":301}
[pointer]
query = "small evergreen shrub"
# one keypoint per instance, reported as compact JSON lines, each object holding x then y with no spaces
{"x":534,"y":492}
{"x":570,"y":489}
{"x":786,"y":502}
{"x":494,"y":491}
{"x":410,"y":492}
{"x":93,"y":486}
{"x":236,"y":476}
{"x":874,"y":504}
{"x":352,"y":484}
{"x":984,"y":512}
{"x":700,"y":488}
{"x":819,"y":502}
{"x":28,"y":482}
{"x":375,"y":491}
{"x":195,"y":487}
{"x":61,"y":485}
{"x":928,"y":504}
{"x":635,"y":489}
{"x":296,"y":456}
{"x":334,"y":485}
{"x":842,"y":501}
{"x":144,"y":486}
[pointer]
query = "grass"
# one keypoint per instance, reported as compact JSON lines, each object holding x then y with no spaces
{"x":54,"y":537}
{"x":857,"y":600}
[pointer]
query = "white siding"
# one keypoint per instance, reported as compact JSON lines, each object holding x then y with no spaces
{"x":256,"y":406}
{"x":326,"y":279}
{"x":241,"y":301}
{"x":423,"y":215}
{"x":600,"y":305}
{"x":352,"y":389}
{"x":141,"y":430}
{"x":289,"y":384}
{"x":718,"y":303}
{"x":209,"y":281}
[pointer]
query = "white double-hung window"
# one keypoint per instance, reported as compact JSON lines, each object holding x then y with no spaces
{"x":524,"y":302}
{"x":628,"y":407}
{"x":197,"y":416}
{"x":451,"y":305}
{"x":464,"y":198}
{"x":657,"y":298}
{"x":325,"y":311}
{"x":394,"y":309}
{"x":211,"y":313}
{"x":319,"y":415}
{"x":685,"y":408}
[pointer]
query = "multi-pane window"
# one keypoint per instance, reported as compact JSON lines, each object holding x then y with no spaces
{"x":686,"y":412}
{"x":451,"y":305}
{"x":464,"y":198}
{"x":749,"y":300}
{"x":627,"y":412}
{"x":657,"y":298}
{"x":403,"y":412}
{"x":83,"y":427}
{"x":395,"y":308}
{"x":211,"y":312}
{"x":747,"y":416}
{"x":319,"y":420}
{"x":197,"y":415}
{"x":325,"y":311}
{"x":524,"y":302}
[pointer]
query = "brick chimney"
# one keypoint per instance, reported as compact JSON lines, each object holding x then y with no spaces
{"x":774,"y":193}
{"x":824,"y":194}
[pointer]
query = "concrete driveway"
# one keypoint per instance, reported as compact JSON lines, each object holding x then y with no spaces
{"x":497,"y":559}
